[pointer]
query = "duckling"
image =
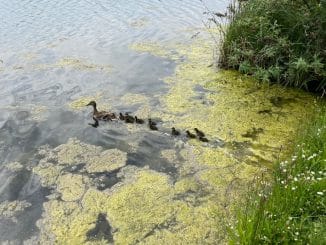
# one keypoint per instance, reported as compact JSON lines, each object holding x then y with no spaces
{"x":152,"y":125}
{"x":203,"y":139}
{"x":109,"y":117}
{"x":101,"y":115}
{"x":175,"y":132}
{"x":190,"y":135}
{"x":199,"y":133}
{"x":138,"y":120}
{"x":121,"y":116}
{"x":129,"y":119}
{"x":151,"y":122}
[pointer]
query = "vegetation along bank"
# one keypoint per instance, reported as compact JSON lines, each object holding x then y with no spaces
{"x":283,"y":42}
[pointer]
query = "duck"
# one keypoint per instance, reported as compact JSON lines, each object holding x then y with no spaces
{"x":199,"y":133}
{"x":151,"y":122}
{"x":138,"y":120}
{"x":121,"y":116}
{"x":152,"y":125}
{"x":203,"y":139}
{"x":129,"y":119}
{"x":101,"y":115}
{"x":190,"y":135}
{"x":175,"y":132}
{"x":95,"y":124}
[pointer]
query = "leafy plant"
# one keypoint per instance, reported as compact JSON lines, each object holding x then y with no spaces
{"x":277,"y":41}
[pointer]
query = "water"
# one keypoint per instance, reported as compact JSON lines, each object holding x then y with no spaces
{"x":35,"y":89}
{"x":55,"y":56}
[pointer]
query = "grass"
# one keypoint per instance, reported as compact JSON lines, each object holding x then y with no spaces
{"x":279,"y":41}
{"x":291,"y":208}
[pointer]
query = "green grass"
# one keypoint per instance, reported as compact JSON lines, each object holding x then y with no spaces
{"x":278,"y":41}
{"x":290,"y":208}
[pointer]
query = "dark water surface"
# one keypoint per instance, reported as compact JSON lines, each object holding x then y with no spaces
{"x":53,"y":52}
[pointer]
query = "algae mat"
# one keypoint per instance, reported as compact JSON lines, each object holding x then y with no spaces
{"x":249,"y":125}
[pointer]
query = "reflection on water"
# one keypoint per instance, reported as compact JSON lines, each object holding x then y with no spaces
{"x":66,"y":182}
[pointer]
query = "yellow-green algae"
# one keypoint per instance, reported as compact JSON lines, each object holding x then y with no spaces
{"x":9,"y":209}
{"x":139,"y":23}
{"x":143,"y":210}
{"x":71,"y":186}
{"x":108,"y":160}
{"x":170,"y":155}
{"x":148,"y":207}
{"x":81,"y":102}
{"x":230,"y":107}
{"x":14,"y":166}
{"x":74,"y":63}
{"x":75,"y":152}
{"x":38,"y":112}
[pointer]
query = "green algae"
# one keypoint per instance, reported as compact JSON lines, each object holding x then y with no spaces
{"x":75,"y":152}
{"x":65,"y":223}
{"x":156,"y":49}
{"x":38,"y":112}
{"x":170,"y":155}
{"x":159,"y":215}
{"x":14,"y":166}
{"x":81,"y":102}
{"x":71,"y":186}
{"x":76,"y":64}
{"x":9,"y":209}
{"x":139,"y":23}
{"x":108,"y":160}
{"x":148,"y":207}
{"x":234,"y":102}
{"x":226,"y":111}
{"x":136,"y":214}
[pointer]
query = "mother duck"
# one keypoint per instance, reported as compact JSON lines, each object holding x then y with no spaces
{"x":101,"y":115}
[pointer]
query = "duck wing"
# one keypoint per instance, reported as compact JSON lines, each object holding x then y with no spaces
{"x":106,"y":116}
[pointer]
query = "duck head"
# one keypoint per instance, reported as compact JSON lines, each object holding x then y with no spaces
{"x":92,"y":103}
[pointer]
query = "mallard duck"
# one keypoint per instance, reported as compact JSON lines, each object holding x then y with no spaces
{"x":190,"y":135}
{"x":138,"y":120}
{"x":121,"y":116}
{"x":152,"y":125}
{"x":199,"y":133}
{"x":129,"y":119}
{"x":175,"y":132}
{"x":203,"y":139}
{"x":95,"y":124}
{"x":101,"y":115}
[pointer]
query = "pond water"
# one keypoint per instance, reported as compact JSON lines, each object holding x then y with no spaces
{"x":63,"y":181}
